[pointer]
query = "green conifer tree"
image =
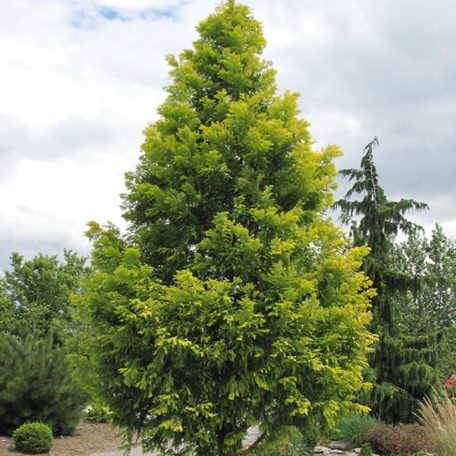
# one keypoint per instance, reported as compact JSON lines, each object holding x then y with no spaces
{"x":36,"y":385}
{"x":404,"y":365}
{"x":232,"y":301}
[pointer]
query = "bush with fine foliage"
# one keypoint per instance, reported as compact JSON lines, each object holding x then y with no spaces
{"x":438,"y":417}
{"x":365,"y":450}
{"x":99,"y":414}
{"x":33,"y":438}
{"x":352,"y":428}
{"x":402,"y":439}
{"x":287,"y":442}
{"x":35,"y":385}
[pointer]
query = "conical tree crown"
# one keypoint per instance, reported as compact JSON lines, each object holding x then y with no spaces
{"x":381,"y":219}
{"x":225,"y":142}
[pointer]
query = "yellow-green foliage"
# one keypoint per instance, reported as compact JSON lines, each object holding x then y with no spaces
{"x":232,"y":301}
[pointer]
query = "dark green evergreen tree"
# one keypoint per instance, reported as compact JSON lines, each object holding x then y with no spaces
{"x":37,"y":334}
{"x":36,"y":385}
{"x":404,"y":366}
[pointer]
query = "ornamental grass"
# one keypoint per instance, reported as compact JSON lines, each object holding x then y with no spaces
{"x":438,"y":416}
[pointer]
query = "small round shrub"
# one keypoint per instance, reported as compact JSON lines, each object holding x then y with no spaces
{"x":401,"y":439}
{"x":33,"y":438}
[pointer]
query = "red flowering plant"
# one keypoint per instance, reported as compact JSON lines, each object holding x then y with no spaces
{"x":449,"y":382}
{"x":450,"y":386}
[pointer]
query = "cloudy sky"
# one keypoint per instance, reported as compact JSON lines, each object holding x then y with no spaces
{"x":80,"y":79}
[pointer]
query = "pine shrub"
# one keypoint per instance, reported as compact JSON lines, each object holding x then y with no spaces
{"x":34,"y":437}
{"x":35,"y":385}
{"x":402,"y":439}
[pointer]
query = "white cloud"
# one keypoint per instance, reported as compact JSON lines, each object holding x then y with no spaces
{"x":54,"y":200}
{"x":140,"y":4}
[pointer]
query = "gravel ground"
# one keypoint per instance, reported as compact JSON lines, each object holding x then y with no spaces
{"x":253,"y":435}
{"x":90,"y":439}
{"x":134,"y":452}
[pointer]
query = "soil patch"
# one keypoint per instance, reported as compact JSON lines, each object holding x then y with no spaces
{"x":88,"y":439}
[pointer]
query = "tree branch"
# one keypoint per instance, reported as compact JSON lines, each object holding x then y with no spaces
{"x":254,"y":445}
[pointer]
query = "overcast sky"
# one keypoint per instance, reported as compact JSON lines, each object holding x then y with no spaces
{"x":80,"y":79}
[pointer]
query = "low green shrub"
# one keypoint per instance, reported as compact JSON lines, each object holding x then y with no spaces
{"x":310,"y":436}
{"x":287,"y":442}
{"x":352,"y":428}
{"x":99,"y":414}
{"x":33,"y":438}
{"x":402,"y":439}
{"x":366,"y":450}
